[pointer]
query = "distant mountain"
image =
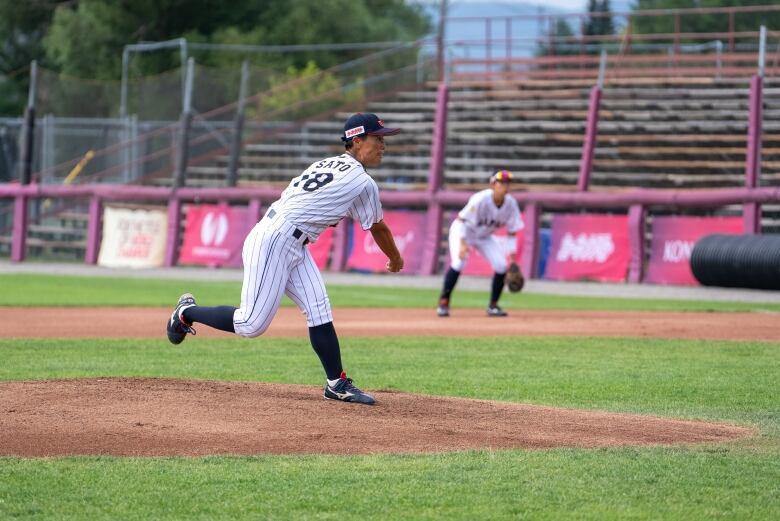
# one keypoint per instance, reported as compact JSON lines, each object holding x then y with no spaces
{"x":467,"y":25}
{"x":510,"y":7}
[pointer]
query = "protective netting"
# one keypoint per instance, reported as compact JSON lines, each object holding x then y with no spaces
{"x":80,"y":138}
{"x":151,"y":98}
{"x":61,"y":95}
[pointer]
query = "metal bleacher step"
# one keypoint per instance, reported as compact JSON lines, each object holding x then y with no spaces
{"x":665,"y":132}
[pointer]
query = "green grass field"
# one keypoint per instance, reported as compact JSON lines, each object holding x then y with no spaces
{"x":735,"y":382}
{"x":51,"y":290}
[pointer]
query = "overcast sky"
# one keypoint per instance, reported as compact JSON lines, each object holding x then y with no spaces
{"x":571,"y":6}
{"x":564,"y":5}
{"x":576,"y":6}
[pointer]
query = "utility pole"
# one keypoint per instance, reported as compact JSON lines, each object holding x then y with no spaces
{"x":440,"y":39}
{"x":28,"y":129}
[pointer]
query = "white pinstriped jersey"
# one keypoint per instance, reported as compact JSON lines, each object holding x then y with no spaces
{"x":328,"y":191}
{"x":481,"y":216}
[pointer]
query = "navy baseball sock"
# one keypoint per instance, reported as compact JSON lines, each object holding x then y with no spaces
{"x":450,"y":279}
{"x":326,"y":345}
{"x":219,"y":317}
{"x":498,"y":285}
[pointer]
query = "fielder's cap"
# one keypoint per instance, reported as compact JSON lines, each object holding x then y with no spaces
{"x":502,"y":176}
{"x":366,"y":124}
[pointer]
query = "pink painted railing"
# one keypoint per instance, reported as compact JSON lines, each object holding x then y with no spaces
{"x":752,"y":212}
{"x":635,"y":201}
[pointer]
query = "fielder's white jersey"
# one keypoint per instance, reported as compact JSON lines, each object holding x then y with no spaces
{"x":481,"y":216}
{"x":328,"y":191}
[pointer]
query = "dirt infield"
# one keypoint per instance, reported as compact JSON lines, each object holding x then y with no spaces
{"x":149,"y":323}
{"x":155,"y":417}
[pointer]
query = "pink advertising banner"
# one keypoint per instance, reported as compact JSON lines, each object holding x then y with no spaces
{"x":673,"y":241}
{"x":588,"y":247}
{"x":320,"y":250}
{"x":214,"y":235}
{"x":478,"y":266}
{"x":408,"y":231}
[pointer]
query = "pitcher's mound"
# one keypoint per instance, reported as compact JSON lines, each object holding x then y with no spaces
{"x":162,"y":417}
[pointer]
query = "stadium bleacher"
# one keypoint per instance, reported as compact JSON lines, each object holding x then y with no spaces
{"x":659,"y":133}
{"x":666,"y":121}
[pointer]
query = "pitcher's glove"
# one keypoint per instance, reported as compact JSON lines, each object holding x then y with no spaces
{"x":514,"y":278}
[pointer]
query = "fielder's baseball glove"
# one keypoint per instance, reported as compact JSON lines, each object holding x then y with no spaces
{"x":514,"y":278}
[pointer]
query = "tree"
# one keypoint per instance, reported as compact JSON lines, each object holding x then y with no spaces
{"x":599,"y":21}
{"x":22,"y":26}
{"x":85,"y":38}
{"x":559,"y":42}
{"x":306,"y":92}
{"x":698,"y":22}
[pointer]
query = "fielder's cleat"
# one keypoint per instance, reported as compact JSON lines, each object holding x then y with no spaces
{"x":495,"y":311}
{"x":444,"y":307}
{"x":177,"y":327}
{"x":344,"y":391}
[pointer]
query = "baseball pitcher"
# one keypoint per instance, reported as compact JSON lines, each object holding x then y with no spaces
{"x":277,"y":261}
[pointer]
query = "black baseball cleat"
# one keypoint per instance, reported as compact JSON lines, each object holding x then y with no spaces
{"x":177,"y":328}
{"x":346,"y":392}
{"x":495,"y":311}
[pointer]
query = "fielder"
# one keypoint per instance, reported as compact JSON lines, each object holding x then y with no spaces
{"x":276,"y":260}
{"x":486,"y":212}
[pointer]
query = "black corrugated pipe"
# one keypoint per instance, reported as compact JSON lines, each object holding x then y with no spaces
{"x":737,"y":261}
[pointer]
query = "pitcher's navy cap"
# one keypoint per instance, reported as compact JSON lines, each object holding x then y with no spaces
{"x":365,"y":123}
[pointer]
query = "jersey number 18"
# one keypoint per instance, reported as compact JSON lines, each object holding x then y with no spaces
{"x":314,"y":181}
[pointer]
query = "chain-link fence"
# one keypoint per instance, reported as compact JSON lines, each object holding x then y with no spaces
{"x":80,"y":136}
{"x":10,"y":130}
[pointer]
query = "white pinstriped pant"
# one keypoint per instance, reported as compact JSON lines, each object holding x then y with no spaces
{"x":276,"y":262}
{"x":489,"y":247}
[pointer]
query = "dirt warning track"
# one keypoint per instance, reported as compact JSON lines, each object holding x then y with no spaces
{"x":150,"y":323}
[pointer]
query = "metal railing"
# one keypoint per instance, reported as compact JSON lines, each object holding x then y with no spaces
{"x":510,"y":45}
{"x":635,"y":202}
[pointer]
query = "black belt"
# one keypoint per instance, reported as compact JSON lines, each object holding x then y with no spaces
{"x":296,"y":232}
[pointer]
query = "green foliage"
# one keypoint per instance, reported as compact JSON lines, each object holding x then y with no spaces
{"x":13,"y":98}
{"x":305,"y":92}
{"x":561,"y":30}
{"x":599,"y":21}
{"x":701,"y":22}
{"x":233,"y":35}
{"x":22,"y":26}
{"x":85,"y":39}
